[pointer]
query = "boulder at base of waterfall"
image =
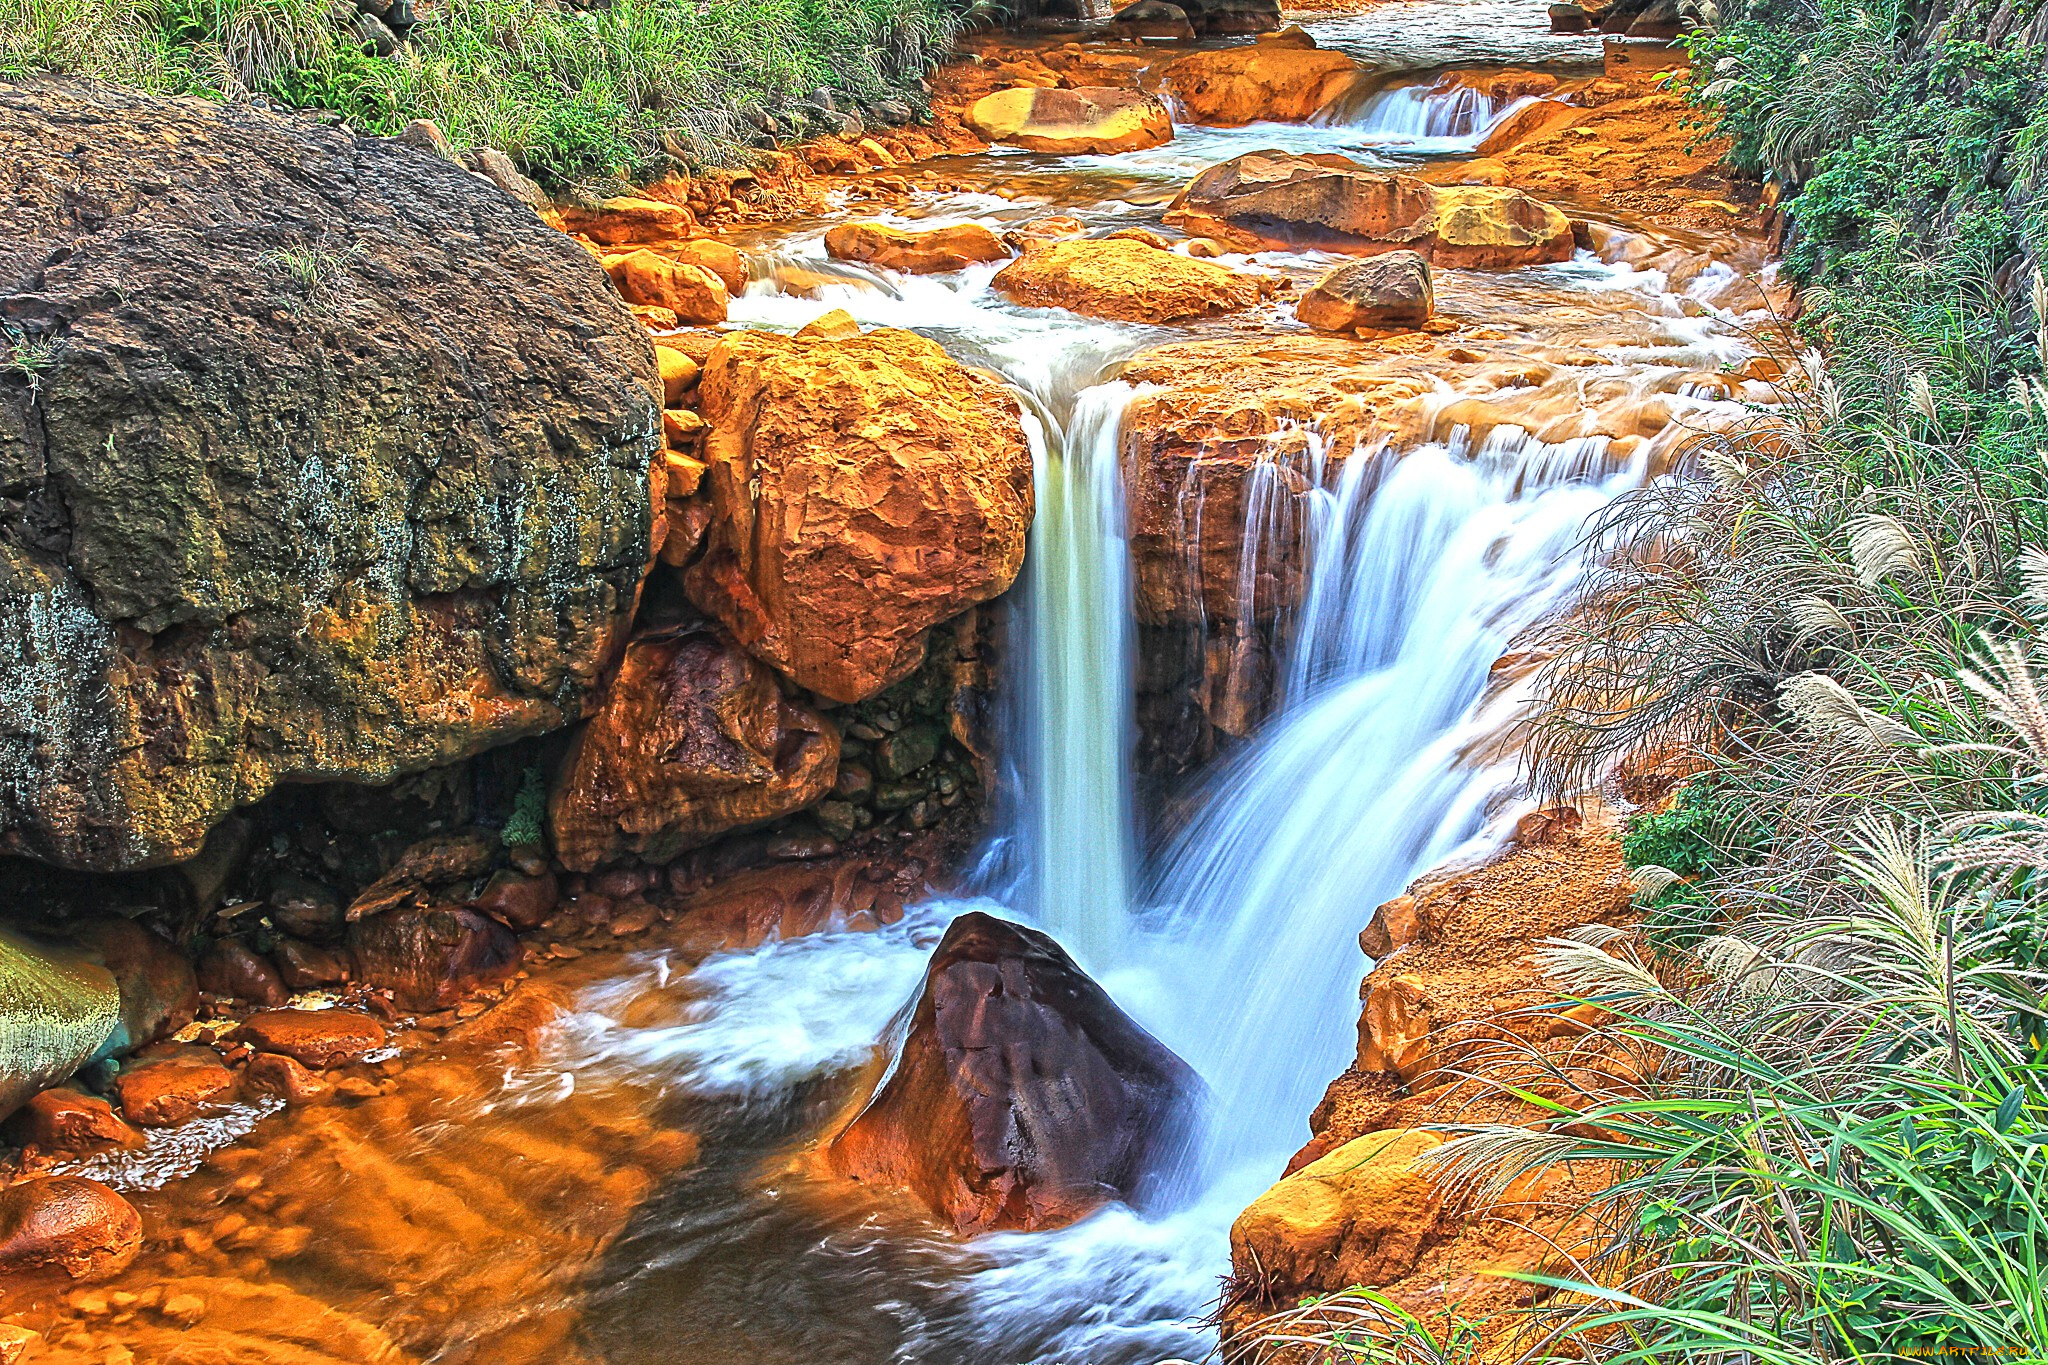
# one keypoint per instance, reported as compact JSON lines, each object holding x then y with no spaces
{"x":260,"y":487}
{"x":1279,"y":198}
{"x":915,"y":253}
{"x":863,"y":489}
{"x":1361,"y":1215}
{"x":1087,"y":121}
{"x":57,"y":1009}
{"x":1129,"y":280}
{"x":68,"y":1225}
{"x":1233,"y":86}
{"x":695,"y":738}
{"x":1154,"y":19}
{"x":1375,"y":294}
{"x":1023,"y":1097}
{"x":1232,"y":18}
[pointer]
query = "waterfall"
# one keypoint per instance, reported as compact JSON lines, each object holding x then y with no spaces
{"x":1079,"y":726}
{"x":1441,"y":116}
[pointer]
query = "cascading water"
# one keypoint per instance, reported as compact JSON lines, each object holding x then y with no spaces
{"x":1409,"y":114}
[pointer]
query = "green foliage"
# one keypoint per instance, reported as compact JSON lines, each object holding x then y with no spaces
{"x":608,"y":95}
{"x":1356,"y":1326}
{"x":529,"y":811}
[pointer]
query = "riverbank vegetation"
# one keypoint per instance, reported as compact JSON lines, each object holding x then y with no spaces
{"x":609,"y":94}
{"x":1835,"y":1140}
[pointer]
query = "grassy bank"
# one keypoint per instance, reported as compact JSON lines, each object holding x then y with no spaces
{"x":612,"y":93}
{"x":1840,"y":1146}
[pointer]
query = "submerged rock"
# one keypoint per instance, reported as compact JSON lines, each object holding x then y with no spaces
{"x":332,"y":463}
{"x":67,"y":1224}
{"x":1023,"y":1098}
{"x":1128,"y":280}
{"x":1090,"y":121}
{"x":1282,"y":83}
{"x":57,"y":1009}
{"x":1379,"y":292}
{"x":864,"y":488}
{"x":916,"y":253}
{"x":694,"y":739}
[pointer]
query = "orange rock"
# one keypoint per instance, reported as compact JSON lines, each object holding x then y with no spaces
{"x":1393,"y":1028}
{"x":62,"y":1119}
{"x":1528,"y":123}
{"x":1233,"y":86}
{"x":315,"y":1038}
{"x":68,"y":1224}
{"x":516,"y":900}
{"x":1361,"y":1215}
{"x":629,"y":219}
{"x":916,"y":253}
{"x":1091,"y":121}
{"x":1484,"y":227}
{"x":1392,"y":290}
{"x":694,"y":739}
{"x":272,"y":1073}
{"x":728,"y":263}
{"x":678,"y":373}
{"x":1394,"y":925}
{"x":1132,"y":281}
{"x":692,"y":293}
{"x":864,"y":489}
{"x":168,"y":1085}
{"x":432,"y":958}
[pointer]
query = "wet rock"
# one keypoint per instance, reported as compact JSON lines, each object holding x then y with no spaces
{"x":301,"y":906}
{"x":1128,"y":280}
{"x":1087,"y":121}
{"x":694,"y":739}
{"x":1361,"y":1215}
{"x":916,"y":253}
{"x":1230,"y":87}
{"x":1023,"y":1097}
{"x":629,"y":220}
{"x":273,"y":1073}
{"x":265,"y":295}
{"x":909,"y":749}
{"x":57,"y":1009}
{"x":1227,"y":18}
{"x":695,"y":295}
{"x":1489,"y":227}
{"x":1570,"y":19}
{"x":1380,"y":292}
{"x":430,"y":959}
{"x":159,"y":993}
{"x":1154,"y":19}
{"x":234,"y":971}
{"x":728,"y":263}
{"x":430,"y":866}
{"x":314,"y":1038}
{"x":67,"y":1224}
{"x":519,"y":901}
{"x":16,"y":1342}
{"x":171,"y":1084}
{"x":864,"y":489}
{"x":62,"y":1119}
{"x":304,"y":966}
{"x":1660,"y":19}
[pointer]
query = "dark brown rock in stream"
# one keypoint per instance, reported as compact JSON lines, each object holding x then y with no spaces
{"x":1377,"y":293}
{"x":67,"y":1224}
{"x":234,"y":971}
{"x":325,"y":459}
{"x":430,"y":959}
{"x":1023,"y":1098}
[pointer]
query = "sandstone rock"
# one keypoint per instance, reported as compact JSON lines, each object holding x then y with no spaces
{"x":1487,"y":227}
{"x":518,"y":901}
{"x":1394,"y":924}
{"x":430,"y":959}
{"x":695,"y":295}
{"x":1379,"y":292}
{"x":1152,"y":19}
{"x":678,"y":374}
{"x":57,"y":1009}
{"x":1394,"y":1028}
{"x":68,"y":1224}
{"x":915,"y":253}
{"x":16,"y":1342}
{"x":271,"y":1073}
{"x":1232,"y":86}
{"x":694,"y":739}
{"x":1131,"y":281}
{"x":1088,"y":121}
{"x":170,"y":1084}
{"x":863,"y":489}
{"x":629,"y":220}
{"x":232,"y":970}
{"x":1361,"y":1215}
{"x":62,"y":1119}
{"x":314,"y":1038}
{"x":727,"y":263}
{"x":1528,"y":123}
{"x":1023,"y":1097}
{"x":256,"y":518}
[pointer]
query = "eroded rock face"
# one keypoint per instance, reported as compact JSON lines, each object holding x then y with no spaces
{"x":1233,"y":86}
{"x":1361,"y":1215}
{"x":1380,"y":292}
{"x":1128,"y":280}
{"x":333,"y":463}
{"x":863,"y":489}
{"x":1092,"y":121}
{"x":695,"y":738}
{"x":1023,"y":1097}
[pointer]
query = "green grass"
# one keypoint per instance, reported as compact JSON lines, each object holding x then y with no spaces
{"x":605,"y":96}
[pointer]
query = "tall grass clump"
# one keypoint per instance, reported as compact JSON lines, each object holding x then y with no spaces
{"x":611,"y":94}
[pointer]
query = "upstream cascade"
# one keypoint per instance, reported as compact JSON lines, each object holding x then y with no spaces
{"x":1410,"y":506}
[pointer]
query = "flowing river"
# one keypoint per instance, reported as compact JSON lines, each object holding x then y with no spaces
{"x":1229,"y":930}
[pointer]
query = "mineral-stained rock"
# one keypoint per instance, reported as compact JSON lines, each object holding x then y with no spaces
{"x":1361,"y":1215}
{"x":334,"y":465}
{"x":1088,"y":121}
{"x":302,"y":966}
{"x":57,"y":1008}
{"x":694,"y":294}
{"x":1127,"y":279}
{"x":915,"y":253}
{"x":63,"y":1119}
{"x":1233,"y":86}
{"x":273,"y":1073}
{"x":1392,"y":290}
{"x":1492,"y":227}
{"x":315,"y":1038}
{"x":67,"y":1224}
{"x":430,"y":959}
{"x":169,"y":1084}
{"x":695,"y":738}
{"x":1152,"y":19}
{"x":519,"y":901}
{"x":234,"y":971}
{"x":864,"y":489}
{"x":1023,"y":1097}
{"x":1223,"y":18}
{"x":159,"y":993}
